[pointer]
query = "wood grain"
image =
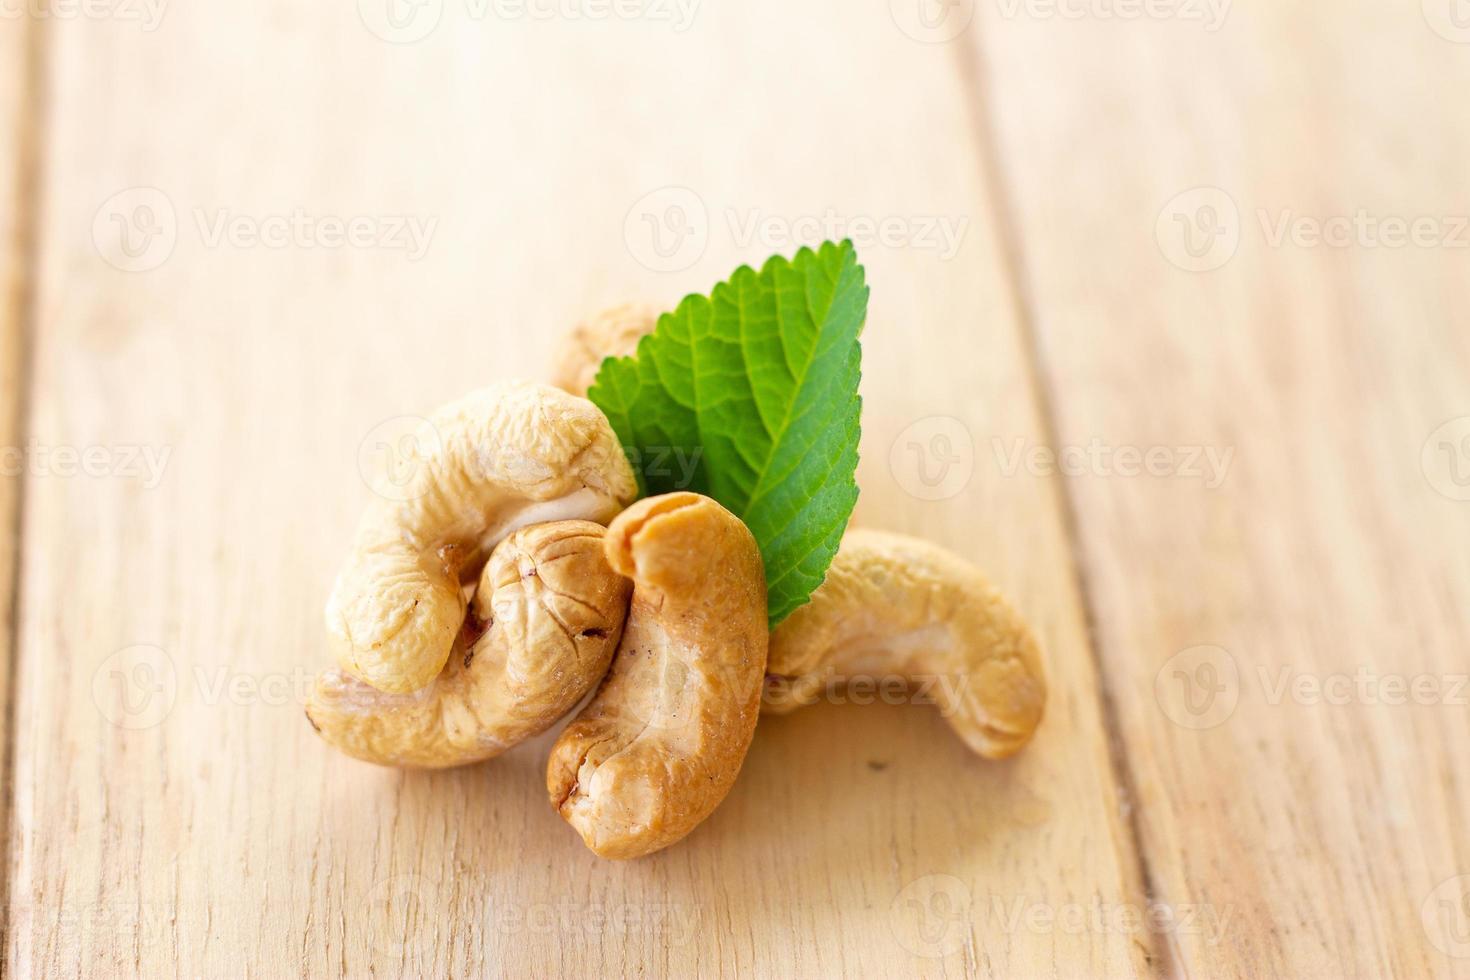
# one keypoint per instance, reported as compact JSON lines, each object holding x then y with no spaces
{"x":18,"y":135}
{"x":1325,"y":834}
{"x":175,"y":814}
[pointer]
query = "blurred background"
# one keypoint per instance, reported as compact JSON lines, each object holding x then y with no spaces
{"x":1168,"y":333}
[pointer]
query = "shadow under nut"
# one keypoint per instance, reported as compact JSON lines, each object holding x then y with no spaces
{"x":659,"y":746}
{"x":896,"y":606}
{"x":549,"y":612}
{"x":501,"y":458}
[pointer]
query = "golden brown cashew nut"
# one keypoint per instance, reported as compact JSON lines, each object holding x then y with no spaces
{"x":614,"y":332}
{"x":502,"y":458}
{"x":542,"y":629}
{"x":897,"y":606}
{"x":659,"y":746}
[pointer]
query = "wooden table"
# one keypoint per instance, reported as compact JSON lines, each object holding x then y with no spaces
{"x":1168,"y":332}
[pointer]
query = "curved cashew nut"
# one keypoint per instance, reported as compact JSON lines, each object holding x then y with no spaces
{"x":502,"y":458}
{"x":614,"y":332}
{"x":895,"y":605}
{"x":660,"y":745}
{"x":542,"y":629}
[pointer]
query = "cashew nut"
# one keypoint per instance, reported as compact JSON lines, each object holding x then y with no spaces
{"x":502,"y":458}
{"x":541,"y":631}
{"x":661,"y":743}
{"x":897,"y":606}
{"x":612,"y":333}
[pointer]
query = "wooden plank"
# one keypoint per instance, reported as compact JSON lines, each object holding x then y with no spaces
{"x":1262,"y":636}
{"x":176,"y":815}
{"x":18,"y":134}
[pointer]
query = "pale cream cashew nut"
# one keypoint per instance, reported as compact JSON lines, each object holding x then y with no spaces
{"x":614,"y":332}
{"x":541,"y":631}
{"x":896,"y":606}
{"x":659,"y":746}
{"x":504,"y":457}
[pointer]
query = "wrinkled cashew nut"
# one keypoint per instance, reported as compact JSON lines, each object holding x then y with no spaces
{"x":614,"y":332}
{"x":504,"y":457}
{"x":542,"y":628}
{"x":897,"y":606}
{"x":661,"y":743}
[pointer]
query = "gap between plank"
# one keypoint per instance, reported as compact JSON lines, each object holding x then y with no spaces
{"x":1159,"y":952}
{"x":20,"y":315}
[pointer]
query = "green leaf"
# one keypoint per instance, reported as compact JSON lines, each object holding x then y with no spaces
{"x":750,"y":395}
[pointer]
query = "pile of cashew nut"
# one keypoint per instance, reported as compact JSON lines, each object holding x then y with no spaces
{"x":518,"y":572}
